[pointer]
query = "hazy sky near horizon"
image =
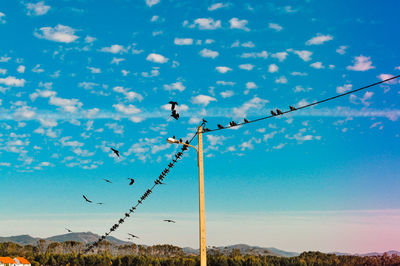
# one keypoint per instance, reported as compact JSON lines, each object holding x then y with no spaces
{"x":78,"y":77}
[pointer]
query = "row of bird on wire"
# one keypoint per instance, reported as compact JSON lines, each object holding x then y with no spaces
{"x":158,"y":181}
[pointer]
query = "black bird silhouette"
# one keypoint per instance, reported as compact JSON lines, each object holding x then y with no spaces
{"x":175,"y":114}
{"x":204,"y":121}
{"x":232,"y":124}
{"x":220,"y":126}
{"x":279,"y":112}
{"x":292,"y":108}
{"x":100,"y":203}
{"x":133,"y":236}
{"x":87,"y":199}
{"x":108,"y":181}
{"x":69,"y":231}
{"x":173,"y":105}
{"x":206,"y":129}
{"x":169,"y":221}
{"x":132,"y":181}
{"x":273,"y":113}
{"x":245,"y":120}
{"x":115,"y":151}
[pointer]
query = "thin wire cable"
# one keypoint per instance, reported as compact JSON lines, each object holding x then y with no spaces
{"x":143,"y":197}
{"x":306,"y":106}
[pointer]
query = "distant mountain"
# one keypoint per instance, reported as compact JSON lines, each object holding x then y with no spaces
{"x":246,"y":249}
{"x":371,"y":254}
{"x":84,"y":237}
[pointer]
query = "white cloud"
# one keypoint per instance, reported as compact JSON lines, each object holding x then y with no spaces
{"x":301,"y":89}
{"x":117,"y":129}
{"x":153,"y":73}
{"x":24,"y":112}
{"x":342,"y":49}
{"x":4,"y":59}
{"x":151,"y":3}
{"x":262,"y":54}
{"x":296,"y":73}
{"x":203,"y":99}
{"x":344,"y":88}
{"x":304,"y":55}
{"x":235,"y":23}
{"x":208,"y":53}
{"x":3,"y":71}
{"x":272,"y":68}
{"x":223,"y":69}
{"x":175,"y":86}
{"x":21,"y":69}
{"x":69,"y":105}
{"x":275,"y":26}
{"x":126,"y":109}
{"x":361,"y":63}
{"x":130,"y":95}
{"x":225,"y":83}
{"x":183,"y":41}
{"x":94,"y":70}
{"x":90,"y":39}
{"x":388,"y":76}
{"x":37,"y":9}
{"x":281,"y":80}
{"x":117,"y":60}
{"x":180,"y":107}
{"x":254,"y":103}
{"x":156,"y":58}
{"x":37,"y":69}
{"x":319,"y":39}
{"x":248,"y":44}
{"x":317,"y":65}
{"x":114,"y":49}
{"x":227,"y":94}
{"x":2,"y":20}
{"x":59,"y":33}
{"x":246,"y":66}
{"x":217,"y":6}
{"x":250,"y":86}
{"x":12,"y":81}
{"x":207,"y":23}
{"x":281,"y":56}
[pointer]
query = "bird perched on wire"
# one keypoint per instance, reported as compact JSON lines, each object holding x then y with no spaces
{"x":69,"y":231}
{"x":169,"y":221}
{"x":115,"y":151}
{"x":206,"y":129}
{"x":108,"y":181}
{"x":279,"y":112}
{"x":87,"y":199}
{"x":175,"y":114}
{"x":273,"y":113}
{"x":204,"y":121}
{"x":232,"y":124}
{"x":245,"y":120}
{"x":132,"y":181}
{"x":173,"y":105}
{"x":220,"y":126}
{"x":292,"y":108}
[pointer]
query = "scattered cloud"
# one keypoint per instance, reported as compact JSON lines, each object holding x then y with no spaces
{"x":183,"y":41}
{"x":114,"y":49}
{"x":126,"y":109}
{"x":388,"y":76}
{"x":304,"y":55}
{"x":272,"y":68}
{"x":203,"y":99}
{"x":218,"y":6}
{"x":255,"y":103}
{"x":59,"y":33}
{"x":223,"y":69}
{"x":208,"y":53}
{"x":151,"y":3}
{"x":227,"y":94}
{"x":129,"y":95}
{"x":281,"y":80}
{"x":225,"y":83}
{"x":2,"y":18}
{"x":94,"y":70}
{"x":21,"y":69}
{"x":361,"y":63}
{"x":342,"y":49}
{"x":235,"y":23}
{"x":12,"y":81}
{"x":206,"y":24}
{"x":37,"y":9}
{"x":281,"y":56}
{"x":344,"y":88}
{"x":319,"y":39}
{"x":250,"y":86}
{"x":262,"y":54}
{"x":178,"y":86}
{"x":275,"y":26}
{"x":317,"y":65}
{"x":156,"y":58}
{"x":246,"y":66}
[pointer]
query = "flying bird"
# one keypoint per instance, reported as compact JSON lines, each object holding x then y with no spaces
{"x":169,"y":221}
{"x":273,"y":113}
{"x":108,"y":181}
{"x":87,"y":199}
{"x":292,"y":108}
{"x":173,"y":105}
{"x":175,"y":114}
{"x":220,"y":126}
{"x":69,"y":231}
{"x":115,"y":151}
{"x":100,"y":203}
{"x":245,"y":120}
{"x":132,"y":181}
{"x":133,"y":236}
{"x":279,"y":112}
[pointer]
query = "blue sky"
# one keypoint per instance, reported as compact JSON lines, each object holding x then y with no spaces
{"x":77,"y":77}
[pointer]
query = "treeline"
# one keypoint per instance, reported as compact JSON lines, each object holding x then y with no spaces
{"x":160,"y":255}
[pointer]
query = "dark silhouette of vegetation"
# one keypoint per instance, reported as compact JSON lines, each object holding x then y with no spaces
{"x":70,"y":253}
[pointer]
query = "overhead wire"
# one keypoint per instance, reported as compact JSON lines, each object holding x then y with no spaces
{"x":304,"y":106}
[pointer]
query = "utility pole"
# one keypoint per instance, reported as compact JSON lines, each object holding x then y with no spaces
{"x":202,"y":218}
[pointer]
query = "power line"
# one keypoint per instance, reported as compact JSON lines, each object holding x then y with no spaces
{"x":158,"y":181}
{"x":305,"y":106}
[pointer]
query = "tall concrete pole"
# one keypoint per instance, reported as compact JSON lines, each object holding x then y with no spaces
{"x":202,"y":218}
